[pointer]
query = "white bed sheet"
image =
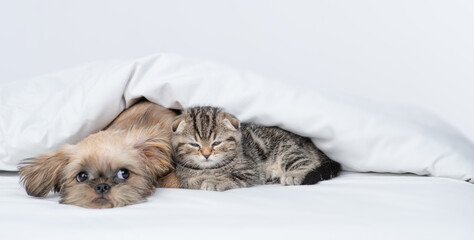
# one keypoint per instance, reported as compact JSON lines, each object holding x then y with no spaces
{"x":352,"y":206}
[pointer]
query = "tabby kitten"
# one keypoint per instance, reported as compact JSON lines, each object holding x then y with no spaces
{"x":213,"y":151}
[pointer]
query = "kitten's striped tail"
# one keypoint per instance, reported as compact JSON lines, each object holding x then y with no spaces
{"x":327,"y":170}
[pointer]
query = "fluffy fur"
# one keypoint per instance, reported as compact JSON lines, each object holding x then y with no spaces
{"x":121,"y":165}
{"x":213,"y":151}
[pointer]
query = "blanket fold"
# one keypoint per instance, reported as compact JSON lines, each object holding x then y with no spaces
{"x":40,"y":114}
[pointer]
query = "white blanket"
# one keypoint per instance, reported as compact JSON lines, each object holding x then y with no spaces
{"x":40,"y":114}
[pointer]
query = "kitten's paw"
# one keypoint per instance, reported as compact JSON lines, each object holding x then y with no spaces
{"x":210,"y":185}
{"x":291,"y":179}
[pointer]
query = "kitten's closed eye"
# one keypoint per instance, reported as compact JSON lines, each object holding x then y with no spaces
{"x":216,"y":143}
{"x":195,"y":145}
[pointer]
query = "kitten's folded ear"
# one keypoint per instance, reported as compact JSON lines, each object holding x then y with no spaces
{"x":178,"y":124}
{"x":231,"y":121}
{"x":42,"y":174}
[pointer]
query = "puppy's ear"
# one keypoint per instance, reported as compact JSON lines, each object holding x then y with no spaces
{"x":155,"y":151}
{"x":178,"y":124}
{"x":40,"y":175}
{"x":231,"y":122}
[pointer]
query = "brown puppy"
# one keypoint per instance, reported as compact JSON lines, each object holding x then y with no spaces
{"x":121,"y":165}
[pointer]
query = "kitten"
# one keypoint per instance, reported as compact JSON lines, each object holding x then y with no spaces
{"x":213,"y":151}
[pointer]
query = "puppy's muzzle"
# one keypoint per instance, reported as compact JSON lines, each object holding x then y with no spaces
{"x":102,"y":188}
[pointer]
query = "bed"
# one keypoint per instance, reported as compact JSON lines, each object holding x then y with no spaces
{"x":407,"y":174}
{"x":352,"y":206}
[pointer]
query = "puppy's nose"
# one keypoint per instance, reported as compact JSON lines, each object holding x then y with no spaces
{"x":102,"y":188}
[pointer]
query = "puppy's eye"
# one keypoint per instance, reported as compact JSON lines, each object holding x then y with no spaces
{"x":123,"y":174}
{"x":195,"y":145}
{"x":216,"y":143}
{"x":82,"y":176}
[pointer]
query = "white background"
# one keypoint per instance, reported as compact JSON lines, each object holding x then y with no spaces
{"x":416,"y":52}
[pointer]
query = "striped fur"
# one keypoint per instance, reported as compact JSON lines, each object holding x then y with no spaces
{"x":213,"y":151}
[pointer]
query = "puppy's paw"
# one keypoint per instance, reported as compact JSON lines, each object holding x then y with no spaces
{"x":213,"y":185}
{"x":291,"y":179}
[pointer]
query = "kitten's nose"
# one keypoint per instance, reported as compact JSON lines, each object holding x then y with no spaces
{"x":102,"y":188}
{"x":206,"y":152}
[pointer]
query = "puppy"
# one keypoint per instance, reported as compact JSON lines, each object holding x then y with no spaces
{"x":121,"y":165}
